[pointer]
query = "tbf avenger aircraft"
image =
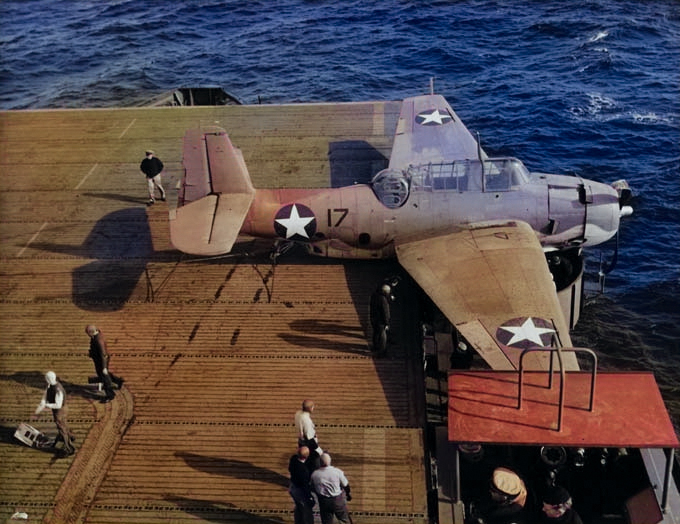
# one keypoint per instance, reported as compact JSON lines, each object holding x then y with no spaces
{"x":471,"y":230}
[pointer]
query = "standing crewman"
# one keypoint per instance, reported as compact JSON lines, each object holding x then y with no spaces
{"x":100,"y":356}
{"x":301,"y":487}
{"x":54,"y":398}
{"x":380,"y":317}
{"x":332,"y":488}
{"x":152,"y":166}
{"x":307,"y":433}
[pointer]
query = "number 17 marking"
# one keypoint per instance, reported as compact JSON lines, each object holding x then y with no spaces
{"x":342,"y":212}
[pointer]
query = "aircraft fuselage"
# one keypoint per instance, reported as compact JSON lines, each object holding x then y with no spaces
{"x":353,"y":222}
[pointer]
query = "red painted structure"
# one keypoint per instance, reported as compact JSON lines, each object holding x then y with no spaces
{"x":628,"y":410}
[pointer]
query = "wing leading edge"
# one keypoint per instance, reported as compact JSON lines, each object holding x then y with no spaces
{"x":493,"y":284}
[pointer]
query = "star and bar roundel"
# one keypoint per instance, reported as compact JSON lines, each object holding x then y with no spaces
{"x":526,"y":332}
{"x":433,"y":117}
{"x":295,"y":222}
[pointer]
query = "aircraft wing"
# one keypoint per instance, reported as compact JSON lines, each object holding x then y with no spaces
{"x":429,"y":131}
{"x":492,"y":282}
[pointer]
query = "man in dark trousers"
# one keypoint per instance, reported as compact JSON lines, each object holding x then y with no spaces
{"x":152,"y":166}
{"x":332,"y":489}
{"x":380,"y":317}
{"x":54,"y":398}
{"x":100,"y":357}
{"x":300,"y":487}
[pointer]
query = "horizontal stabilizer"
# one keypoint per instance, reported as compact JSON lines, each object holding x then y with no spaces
{"x":214,"y":196}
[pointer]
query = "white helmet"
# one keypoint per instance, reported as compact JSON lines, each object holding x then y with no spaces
{"x":51,"y":378}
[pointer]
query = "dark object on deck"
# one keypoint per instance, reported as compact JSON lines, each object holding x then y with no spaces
{"x":194,"y":96}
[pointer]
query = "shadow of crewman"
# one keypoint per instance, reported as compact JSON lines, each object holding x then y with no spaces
{"x":36,"y":379}
{"x":233,"y":468}
{"x":218,"y":511}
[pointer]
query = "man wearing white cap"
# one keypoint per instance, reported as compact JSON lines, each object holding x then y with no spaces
{"x":152,"y":166}
{"x":54,"y":398}
{"x":507,"y":497}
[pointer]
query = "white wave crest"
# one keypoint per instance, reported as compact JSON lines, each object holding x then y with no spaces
{"x":597,"y":106}
{"x":650,"y":118}
{"x":599,"y":36}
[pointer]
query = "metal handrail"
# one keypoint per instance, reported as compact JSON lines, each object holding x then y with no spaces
{"x":558,"y":350}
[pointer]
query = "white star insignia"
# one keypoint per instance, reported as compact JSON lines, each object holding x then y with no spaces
{"x":527,"y":331}
{"x":295,"y":224}
{"x":435,"y":117}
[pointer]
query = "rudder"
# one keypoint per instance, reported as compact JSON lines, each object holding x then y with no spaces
{"x":215,"y":194}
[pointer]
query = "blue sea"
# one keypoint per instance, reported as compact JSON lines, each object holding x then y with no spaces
{"x":590,"y":88}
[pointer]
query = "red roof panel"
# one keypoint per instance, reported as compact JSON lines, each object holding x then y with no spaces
{"x":628,"y":410}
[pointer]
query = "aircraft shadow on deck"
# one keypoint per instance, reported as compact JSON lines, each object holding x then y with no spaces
{"x":120,"y":246}
{"x":354,"y":162}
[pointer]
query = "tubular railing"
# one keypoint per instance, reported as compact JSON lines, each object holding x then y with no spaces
{"x":558,"y":351}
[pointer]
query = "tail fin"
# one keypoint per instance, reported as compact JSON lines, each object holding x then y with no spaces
{"x":215,"y":194}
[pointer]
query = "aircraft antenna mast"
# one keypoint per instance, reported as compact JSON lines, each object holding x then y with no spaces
{"x":479,"y":156}
{"x":432,"y":85}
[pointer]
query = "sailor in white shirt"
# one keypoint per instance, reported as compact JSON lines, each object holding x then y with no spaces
{"x":54,"y":398}
{"x":307,"y":433}
{"x":332,"y":489}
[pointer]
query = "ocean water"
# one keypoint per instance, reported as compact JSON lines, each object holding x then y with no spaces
{"x":590,"y":88}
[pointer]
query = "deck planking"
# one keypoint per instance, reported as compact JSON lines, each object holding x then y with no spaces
{"x":217,"y":354}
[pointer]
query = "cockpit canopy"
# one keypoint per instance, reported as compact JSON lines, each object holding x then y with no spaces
{"x":392,"y":187}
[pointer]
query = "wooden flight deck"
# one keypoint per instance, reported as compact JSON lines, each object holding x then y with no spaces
{"x":217,"y":354}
